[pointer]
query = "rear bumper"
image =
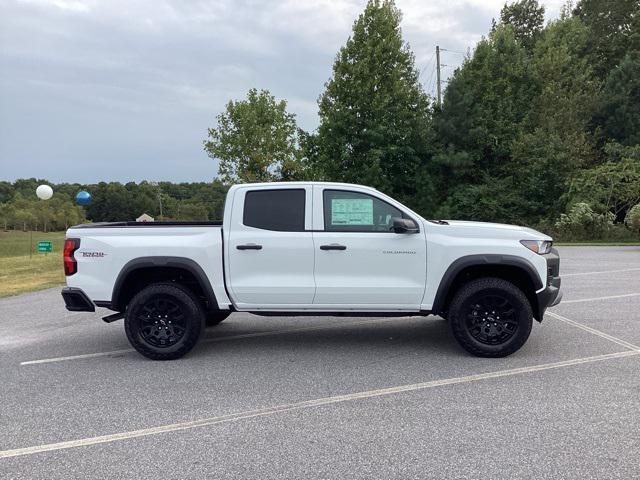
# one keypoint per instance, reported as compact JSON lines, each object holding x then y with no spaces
{"x":76,"y":300}
{"x":552,"y":294}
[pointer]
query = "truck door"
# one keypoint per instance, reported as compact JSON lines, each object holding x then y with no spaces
{"x":361,"y":262}
{"x":270,"y":250}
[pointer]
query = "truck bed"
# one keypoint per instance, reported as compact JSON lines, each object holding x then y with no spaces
{"x":107,"y":250}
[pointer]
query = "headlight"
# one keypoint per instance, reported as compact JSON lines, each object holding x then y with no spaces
{"x":538,"y":246}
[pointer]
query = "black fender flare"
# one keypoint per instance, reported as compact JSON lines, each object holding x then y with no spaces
{"x":161,"y":261}
{"x":481,"y":260}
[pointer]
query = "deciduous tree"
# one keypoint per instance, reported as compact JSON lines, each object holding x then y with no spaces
{"x":255,"y":140}
{"x":526,"y":17}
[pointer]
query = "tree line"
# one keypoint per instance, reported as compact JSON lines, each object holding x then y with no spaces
{"x":539,"y":126}
{"x":113,"y":201}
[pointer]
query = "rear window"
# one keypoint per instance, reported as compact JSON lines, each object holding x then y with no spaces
{"x":281,"y":210}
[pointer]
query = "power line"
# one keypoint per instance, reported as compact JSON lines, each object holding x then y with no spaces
{"x":431,"y":83}
{"x":452,"y":51}
{"x":426,"y":65}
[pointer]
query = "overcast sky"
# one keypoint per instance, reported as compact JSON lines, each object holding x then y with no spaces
{"x":125,"y":89}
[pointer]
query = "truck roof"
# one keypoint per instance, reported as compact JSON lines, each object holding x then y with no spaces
{"x":298,"y":184}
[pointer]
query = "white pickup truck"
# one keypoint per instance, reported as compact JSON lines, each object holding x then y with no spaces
{"x":312,"y":248}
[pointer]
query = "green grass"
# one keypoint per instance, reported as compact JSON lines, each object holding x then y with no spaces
{"x":20,"y":272}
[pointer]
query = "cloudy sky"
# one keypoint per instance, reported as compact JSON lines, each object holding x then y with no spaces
{"x":125,"y":89}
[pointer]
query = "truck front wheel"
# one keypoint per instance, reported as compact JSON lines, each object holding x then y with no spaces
{"x":164,"y":321}
{"x":490,"y":317}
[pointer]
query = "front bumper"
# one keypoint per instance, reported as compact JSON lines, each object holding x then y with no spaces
{"x":76,"y":300}
{"x":552,"y":294}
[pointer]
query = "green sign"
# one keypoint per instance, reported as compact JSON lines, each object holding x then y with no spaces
{"x":351,"y":211}
{"x":45,"y":246}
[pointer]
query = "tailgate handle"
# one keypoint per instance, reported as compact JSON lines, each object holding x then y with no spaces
{"x":333,"y":246}
{"x":249,"y":246}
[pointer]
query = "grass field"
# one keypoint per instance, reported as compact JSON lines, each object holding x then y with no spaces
{"x":21,"y":273}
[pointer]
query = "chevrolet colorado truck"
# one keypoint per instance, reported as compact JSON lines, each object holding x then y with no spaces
{"x":312,"y":248}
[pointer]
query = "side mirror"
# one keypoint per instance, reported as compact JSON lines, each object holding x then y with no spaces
{"x":404,"y":225}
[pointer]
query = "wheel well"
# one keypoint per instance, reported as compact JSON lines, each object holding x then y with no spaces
{"x":142,"y":277}
{"x":511,"y":273}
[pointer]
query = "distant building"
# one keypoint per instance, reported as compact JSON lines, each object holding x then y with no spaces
{"x":145,"y":218}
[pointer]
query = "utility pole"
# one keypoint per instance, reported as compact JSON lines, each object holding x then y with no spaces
{"x":438,"y":74}
{"x":156,"y":184}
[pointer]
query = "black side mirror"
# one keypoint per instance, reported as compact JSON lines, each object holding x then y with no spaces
{"x":404,"y":225}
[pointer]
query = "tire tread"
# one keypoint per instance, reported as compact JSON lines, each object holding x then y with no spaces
{"x":185,"y":295}
{"x":457,"y":326}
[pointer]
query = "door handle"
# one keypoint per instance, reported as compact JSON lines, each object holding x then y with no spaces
{"x":249,"y":246}
{"x":333,"y":246}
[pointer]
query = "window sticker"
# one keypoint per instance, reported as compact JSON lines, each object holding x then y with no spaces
{"x":351,"y":211}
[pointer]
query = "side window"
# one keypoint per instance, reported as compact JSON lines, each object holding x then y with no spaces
{"x":281,"y":210}
{"x":357,"y":212}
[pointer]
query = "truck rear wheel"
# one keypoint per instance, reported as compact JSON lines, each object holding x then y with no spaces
{"x":164,"y":321}
{"x":215,"y":317}
{"x":490,"y":317}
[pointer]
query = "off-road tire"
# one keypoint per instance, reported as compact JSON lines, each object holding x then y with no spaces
{"x":183,"y":306}
{"x":215,"y":317}
{"x":469,"y":330}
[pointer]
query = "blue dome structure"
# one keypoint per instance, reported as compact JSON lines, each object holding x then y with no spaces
{"x":83,"y":198}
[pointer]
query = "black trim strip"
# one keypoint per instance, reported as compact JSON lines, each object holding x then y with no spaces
{"x":216,"y":223}
{"x":76,"y":300}
{"x":472,"y":260}
{"x":103,"y":304}
{"x":151,"y":262}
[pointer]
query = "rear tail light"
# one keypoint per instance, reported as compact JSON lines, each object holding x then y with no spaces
{"x":70,"y":264}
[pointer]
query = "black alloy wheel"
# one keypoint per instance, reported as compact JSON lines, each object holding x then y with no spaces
{"x":490,"y":317}
{"x":164,"y":321}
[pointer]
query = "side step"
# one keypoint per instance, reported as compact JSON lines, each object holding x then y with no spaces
{"x":113,"y":317}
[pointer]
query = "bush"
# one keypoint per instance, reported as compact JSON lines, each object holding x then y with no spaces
{"x":632,"y":220}
{"x":582,"y":223}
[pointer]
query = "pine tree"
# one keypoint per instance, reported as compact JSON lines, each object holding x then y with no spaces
{"x":620,"y":111}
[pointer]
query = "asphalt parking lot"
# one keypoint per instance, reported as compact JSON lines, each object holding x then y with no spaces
{"x":330,"y":397}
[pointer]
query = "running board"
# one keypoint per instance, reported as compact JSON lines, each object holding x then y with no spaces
{"x":113,"y":317}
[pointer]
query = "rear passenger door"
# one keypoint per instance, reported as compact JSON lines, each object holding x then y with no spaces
{"x":270,"y":253}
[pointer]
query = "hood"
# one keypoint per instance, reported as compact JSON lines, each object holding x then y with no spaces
{"x":493,"y":230}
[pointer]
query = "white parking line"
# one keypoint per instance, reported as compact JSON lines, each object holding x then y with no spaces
{"x":263,"y":412}
{"x":273,"y":332}
{"x":564,"y":302}
{"x":619,"y":341}
{"x":603,"y":271}
{"x":218,"y":339}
